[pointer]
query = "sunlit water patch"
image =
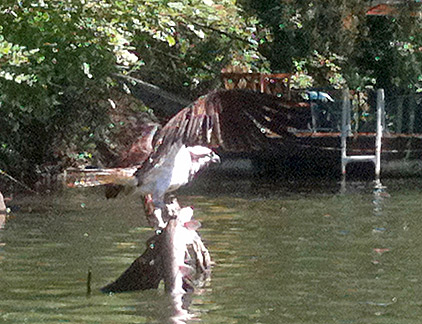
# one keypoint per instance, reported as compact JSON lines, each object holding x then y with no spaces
{"x":284,"y":252}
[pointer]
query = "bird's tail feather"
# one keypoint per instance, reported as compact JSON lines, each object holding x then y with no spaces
{"x":96,"y":177}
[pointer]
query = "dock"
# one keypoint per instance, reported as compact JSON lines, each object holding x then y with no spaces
{"x":330,"y":135}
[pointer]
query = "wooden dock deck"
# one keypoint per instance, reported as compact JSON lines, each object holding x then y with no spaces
{"x":319,"y":154}
{"x":394,"y":146}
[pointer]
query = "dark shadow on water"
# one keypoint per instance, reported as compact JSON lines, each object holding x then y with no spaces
{"x":245,"y":184}
{"x":267,"y":177}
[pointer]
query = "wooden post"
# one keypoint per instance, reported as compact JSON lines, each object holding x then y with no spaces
{"x":262,"y":83}
{"x":412,"y":104}
{"x":313,"y":116}
{"x":88,"y":282}
{"x":357,"y":111}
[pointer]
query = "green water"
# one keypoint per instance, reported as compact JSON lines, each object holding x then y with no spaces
{"x":284,"y":252}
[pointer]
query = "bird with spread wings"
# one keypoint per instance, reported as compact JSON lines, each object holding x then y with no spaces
{"x":234,"y":120}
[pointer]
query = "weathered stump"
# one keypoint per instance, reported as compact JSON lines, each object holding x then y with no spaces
{"x":176,"y":255}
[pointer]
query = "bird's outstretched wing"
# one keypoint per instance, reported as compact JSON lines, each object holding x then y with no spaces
{"x":236,"y":120}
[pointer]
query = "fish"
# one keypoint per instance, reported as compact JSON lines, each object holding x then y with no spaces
{"x":165,"y":258}
{"x":178,"y":234}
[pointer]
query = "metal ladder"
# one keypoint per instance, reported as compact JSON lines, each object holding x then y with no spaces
{"x":346,"y":132}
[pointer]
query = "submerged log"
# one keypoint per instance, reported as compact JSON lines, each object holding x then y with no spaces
{"x":176,"y":255}
{"x":144,"y":273}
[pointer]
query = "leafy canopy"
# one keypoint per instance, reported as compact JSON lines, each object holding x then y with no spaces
{"x":58,"y":58}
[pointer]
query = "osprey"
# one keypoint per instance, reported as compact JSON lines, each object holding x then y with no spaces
{"x":235,"y":120}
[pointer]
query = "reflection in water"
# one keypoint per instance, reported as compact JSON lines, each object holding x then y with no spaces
{"x":380,"y":194}
{"x":285,"y":252}
{"x":180,"y":308}
{"x":380,"y":228}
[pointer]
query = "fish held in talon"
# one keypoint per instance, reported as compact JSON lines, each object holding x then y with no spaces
{"x":192,"y":225}
{"x":168,"y":258}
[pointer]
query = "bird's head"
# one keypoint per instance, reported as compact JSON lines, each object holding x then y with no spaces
{"x":201,"y":157}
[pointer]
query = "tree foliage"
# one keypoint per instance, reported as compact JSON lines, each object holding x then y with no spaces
{"x":58,"y":58}
{"x":310,"y":37}
{"x":336,"y":43}
{"x":391,"y":52}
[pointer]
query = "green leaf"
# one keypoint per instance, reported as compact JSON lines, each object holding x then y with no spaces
{"x":176,"y":5}
{"x":170,"y":40}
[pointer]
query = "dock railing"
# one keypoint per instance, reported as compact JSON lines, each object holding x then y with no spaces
{"x":346,"y":132}
{"x":277,"y":84}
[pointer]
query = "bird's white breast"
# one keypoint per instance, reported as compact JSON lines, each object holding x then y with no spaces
{"x":169,"y":175}
{"x":181,"y":169}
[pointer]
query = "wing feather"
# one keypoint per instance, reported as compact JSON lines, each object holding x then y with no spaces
{"x":236,"y":120}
